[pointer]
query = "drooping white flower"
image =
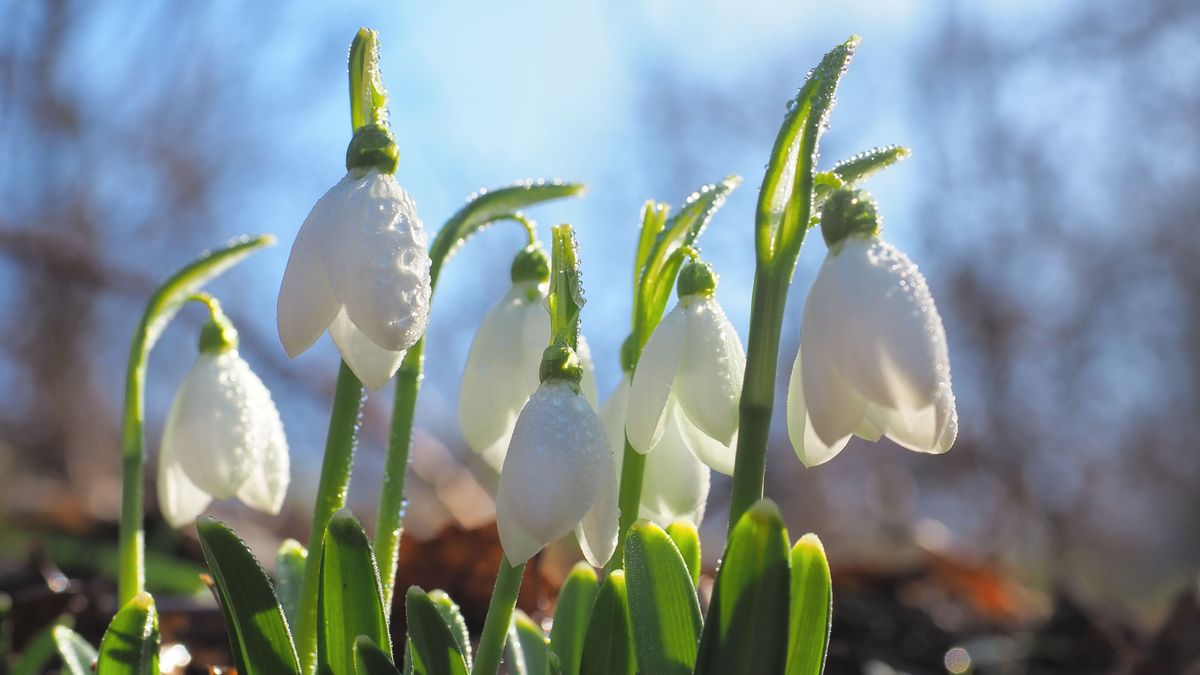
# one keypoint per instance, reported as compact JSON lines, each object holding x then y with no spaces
{"x":675,"y":483}
{"x":359,"y":268}
{"x":502,"y":369}
{"x":874,"y":354}
{"x":223,"y":438}
{"x":558,"y":476}
{"x":691,"y":368}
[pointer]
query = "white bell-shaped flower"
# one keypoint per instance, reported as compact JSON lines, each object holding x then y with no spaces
{"x":675,"y":483}
{"x":223,"y":438}
{"x":360,"y":269}
{"x":558,"y":476}
{"x":691,"y":371}
{"x":502,"y":369}
{"x":875,"y":361}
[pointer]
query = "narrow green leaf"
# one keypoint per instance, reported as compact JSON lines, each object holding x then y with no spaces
{"x":858,"y":168}
{"x":687,"y":540}
{"x":130,"y":645}
{"x":654,"y":218}
{"x":747,"y":627}
{"x":681,"y":230}
{"x":258,"y":633}
{"x":608,"y":645}
{"x":486,"y":207}
{"x":351,"y":597}
{"x":434,"y":649}
{"x":40,"y":650}
{"x":369,"y":659}
{"x":662,"y":600}
{"x":454,"y":621}
{"x":811,"y":607}
{"x":527,"y":651}
{"x":575,"y":600}
{"x":785,"y":200}
{"x":289,"y":577}
{"x":77,"y":654}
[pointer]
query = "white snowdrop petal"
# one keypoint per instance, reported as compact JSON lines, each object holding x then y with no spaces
{"x":179,"y":500}
{"x":518,"y":544}
{"x":612,"y":415}
{"x":716,"y":455}
{"x":676,"y":482}
{"x":835,"y":409}
{"x":306,"y":304}
{"x":496,"y":381}
{"x":709,"y":382}
{"x":376,"y":259}
{"x":808,"y":446}
{"x":587,"y":385}
{"x":653,"y":380}
{"x":554,"y":467}
{"x":210,"y":424}
{"x":947,"y":418}
{"x":372,"y":364}
{"x":597,"y":532}
{"x":890,"y":340}
{"x":266,"y":486}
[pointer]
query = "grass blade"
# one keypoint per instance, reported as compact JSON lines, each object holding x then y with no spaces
{"x":528,"y":650}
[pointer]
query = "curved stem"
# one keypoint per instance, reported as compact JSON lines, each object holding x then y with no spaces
{"x":331,"y":497}
{"x":499,"y":616}
{"x":392,"y":504}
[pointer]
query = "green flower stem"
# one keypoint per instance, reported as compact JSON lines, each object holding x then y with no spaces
{"x":164,"y":303}
{"x":331,"y":497}
{"x":629,"y":499}
{"x":499,"y":616}
{"x":390,"y":523}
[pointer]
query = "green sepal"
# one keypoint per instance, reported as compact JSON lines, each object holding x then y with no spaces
{"x":746,"y":631}
{"x":434,"y":649}
{"x":575,"y":600}
{"x":811,"y":613}
{"x":351,"y":597}
{"x":259,"y":638}
{"x":130,"y":645}
{"x":663,"y":603}
{"x":608,"y":643}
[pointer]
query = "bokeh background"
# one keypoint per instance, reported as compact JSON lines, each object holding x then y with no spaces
{"x":1051,"y":201}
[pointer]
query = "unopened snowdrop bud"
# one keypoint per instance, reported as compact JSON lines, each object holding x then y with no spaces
{"x":223,"y":435}
{"x":505,"y":358}
{"x":558,"y":476}
{"x":675,"y":483}
{"x":873,"y":348}
{"x":360,"y":269}
{"x":693,"y":361}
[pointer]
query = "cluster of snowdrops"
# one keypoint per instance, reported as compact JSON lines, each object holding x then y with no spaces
{"x":630,"y":478}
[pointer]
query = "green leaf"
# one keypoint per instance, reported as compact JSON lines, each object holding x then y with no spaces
{"x":565,"y":299}
{"x":747,"y":627}
{"x":39,"y":651}
{"x":608,"y":645}
{"x":258,"y":634}
{"x":575,"y":600}
{"x":130,"y":645}
{"x":811,"y":607}
{"x":662,"y":600}
{"x":488,"y":206}
{"x":654,"y":218}
{"x":662,"y":264}
{"x":858,"y":168}
{"x":369,"y":659}
{"x":77,"y":654}
{"x":434,"y":649}
{"x":289,"y":577}
{"x":687,"y":540}
{"x":368,"y":98}
{"x":351,"y":596}
{"x":786,"y":198}
{"x":454,"y":621}
{"x":527,"y":651}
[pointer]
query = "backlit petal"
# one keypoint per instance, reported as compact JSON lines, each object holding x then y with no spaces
{"x":653,"y":380}
{"x":709,"y":381}
{"x":372,"y":364}
{"x":306,"y":304}
{"x":676,"y":482}
{"x":179,"y":500}
{"x":809,"y":447}
{"x":266,"y":486}
{"x":210,"y":427}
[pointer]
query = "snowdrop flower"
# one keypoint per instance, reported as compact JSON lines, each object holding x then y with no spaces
{"x":690,"y":371}
{"x":360,"y":269}
{"x":675,"y":484}
{"x":874,"y":352}
{"x":506,"y":353}
{"x":558,"y":473}
{"x":223,"y":436}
